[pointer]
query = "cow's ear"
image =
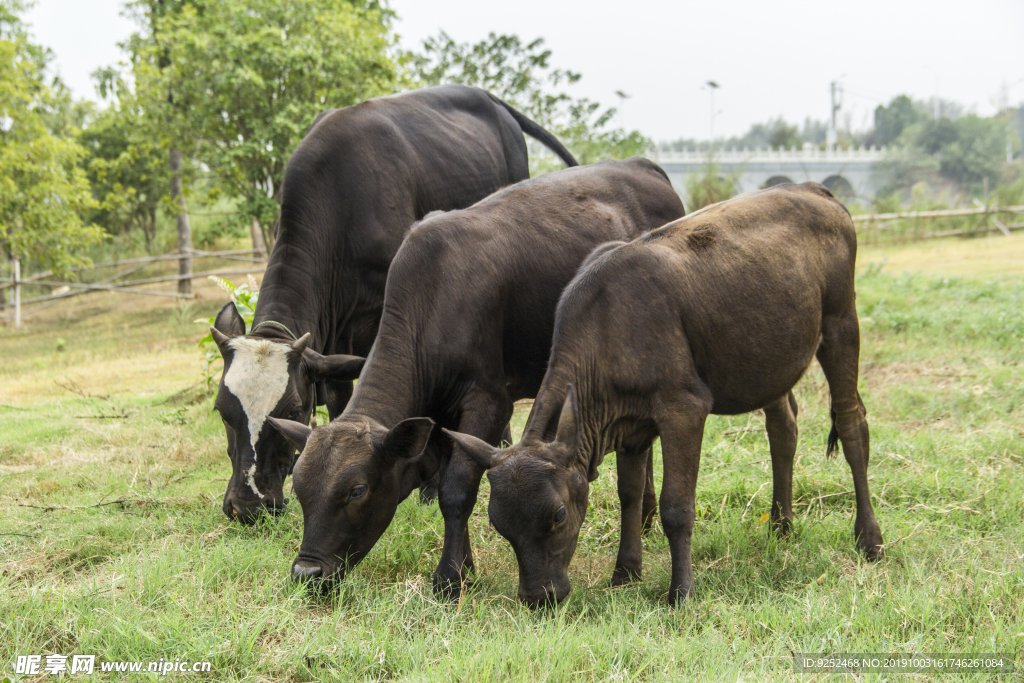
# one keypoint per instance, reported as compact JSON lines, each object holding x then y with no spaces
{"x":483,"y":453}
{"x":339,"y":367}
{"x":229,"y":322}
{"x":296,"y":432}
{"x":568,"y":435}
{"x":407,"y":439}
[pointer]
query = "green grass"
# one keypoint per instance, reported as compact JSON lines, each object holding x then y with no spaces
{"x":164,"y":574}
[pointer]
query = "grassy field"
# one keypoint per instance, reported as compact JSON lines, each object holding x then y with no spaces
{"x":112,"y":540}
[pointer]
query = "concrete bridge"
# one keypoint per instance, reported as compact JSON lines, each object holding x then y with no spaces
{"x":848,"y":173}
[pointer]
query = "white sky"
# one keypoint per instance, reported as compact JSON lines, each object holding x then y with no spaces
{"x":770,"y":58}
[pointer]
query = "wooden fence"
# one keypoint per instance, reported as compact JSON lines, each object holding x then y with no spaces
{"x":902,"y":226}
{"x":58,"y":290}
{"x":919,"y":225}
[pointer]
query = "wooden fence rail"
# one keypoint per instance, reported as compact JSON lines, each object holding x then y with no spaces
{"x":987,"y":219}
{"x":64,"y":289}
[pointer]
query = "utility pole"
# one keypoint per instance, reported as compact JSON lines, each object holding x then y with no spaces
{"x":831,"y":136}
{"x":17,"y":293}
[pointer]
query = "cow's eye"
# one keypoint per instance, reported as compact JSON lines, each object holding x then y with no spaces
{"x":560,"y":515}
{"x":357,"y":492}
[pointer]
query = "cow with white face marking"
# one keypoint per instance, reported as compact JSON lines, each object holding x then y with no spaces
{"x":265,"y":376}
{"x":354,"y":186}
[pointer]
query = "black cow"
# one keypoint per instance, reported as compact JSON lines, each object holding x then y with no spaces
{"x":360,"y":178}
{"x":720,"y":312}
{"x":468,"y":316}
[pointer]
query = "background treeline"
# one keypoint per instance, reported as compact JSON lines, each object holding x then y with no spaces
{"x":937,"y":155}
{"x":194,"y":127}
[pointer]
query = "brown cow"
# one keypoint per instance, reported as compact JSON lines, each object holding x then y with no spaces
{"x":720,"y":312}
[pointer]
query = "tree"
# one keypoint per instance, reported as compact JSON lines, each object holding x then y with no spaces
{"x":959,"y":152}
{"x":521,"y":74}
{"x":127,"y":166}
{"x":785,"y":136}
{"x":891,"y":121}
{"x":244,"y":79}
{"x":43,"y":192}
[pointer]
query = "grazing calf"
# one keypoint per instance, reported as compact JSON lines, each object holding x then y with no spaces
{"x":354,"y":186}
{"x":469,"y":311}
{"x":719,"y":312}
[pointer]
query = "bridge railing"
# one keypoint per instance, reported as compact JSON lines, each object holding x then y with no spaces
{"x":747,"y":155}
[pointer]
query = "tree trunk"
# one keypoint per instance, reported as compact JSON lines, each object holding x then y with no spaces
{"x":184,"y":228}
{"x":258,"y":244}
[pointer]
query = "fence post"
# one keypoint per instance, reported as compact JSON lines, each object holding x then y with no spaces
{"x":17,"y":293}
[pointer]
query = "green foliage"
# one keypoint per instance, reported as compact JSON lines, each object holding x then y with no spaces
{"x":244,"y":297}
{"x":238,"y":82}
{"x":521,"y":74}
{"x":785,"y":136}
{"x":43,"y":193}
{"x":943,"y":381}
{"x":952,"y":152}
{"x":891,"y":121}
{"x":127,"y":165}
{"x":772,"y":133}
{"x":709,"y":185}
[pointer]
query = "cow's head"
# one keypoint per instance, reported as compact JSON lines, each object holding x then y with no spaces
{"x":350,"y":477}
{"x":264,"y":378}
{"x":538,"y":502}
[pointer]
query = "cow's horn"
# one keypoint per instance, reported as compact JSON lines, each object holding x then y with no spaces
{"x":300,"y":344}
{"x":219,"y":337}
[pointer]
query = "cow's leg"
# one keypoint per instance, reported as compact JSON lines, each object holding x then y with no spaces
{"x":338,"y":394}
{"x":681,"y":434}
{"x":780,"y":422}
{"x":506,"y":436}
{"x":839,"y":356}
{"x":650,"y":504}
{"x":631,"y":469}
{"x":484,"y":418}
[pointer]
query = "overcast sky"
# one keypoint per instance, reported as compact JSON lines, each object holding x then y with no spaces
{"x":770,"y":58}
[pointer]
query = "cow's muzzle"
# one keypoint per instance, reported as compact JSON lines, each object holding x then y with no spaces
{"x":248,"y":512}
{"x":546,"y":595}
{"x":314,"y":575}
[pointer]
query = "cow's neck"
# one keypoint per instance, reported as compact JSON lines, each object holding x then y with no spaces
{"x":296,"y":296}
{"x":389,"y":390}
{"x":595,"y":437}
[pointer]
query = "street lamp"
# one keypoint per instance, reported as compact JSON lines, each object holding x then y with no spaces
{"x":622,"y":107}
{"x":712,"y":87}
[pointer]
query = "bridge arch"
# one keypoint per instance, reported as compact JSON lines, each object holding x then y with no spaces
{"x":839,"y":186}
{"x":777,"y":180}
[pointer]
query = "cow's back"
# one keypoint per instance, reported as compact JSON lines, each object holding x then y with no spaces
{"x":499,"y":266}
{"x":737,"y":287}
{"x":356,"y":183}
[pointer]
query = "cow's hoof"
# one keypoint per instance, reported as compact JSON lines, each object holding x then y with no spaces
{"x":621,"y":576}
{"x":448,"y":589}
{"x":781,"y":526}
{"x":678,"y":595}
{"x":873,"y":552}
{"x":870,"y":543}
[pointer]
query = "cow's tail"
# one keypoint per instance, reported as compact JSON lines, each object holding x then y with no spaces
{"x":535,"y":130}
{"x":833,"y":437}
